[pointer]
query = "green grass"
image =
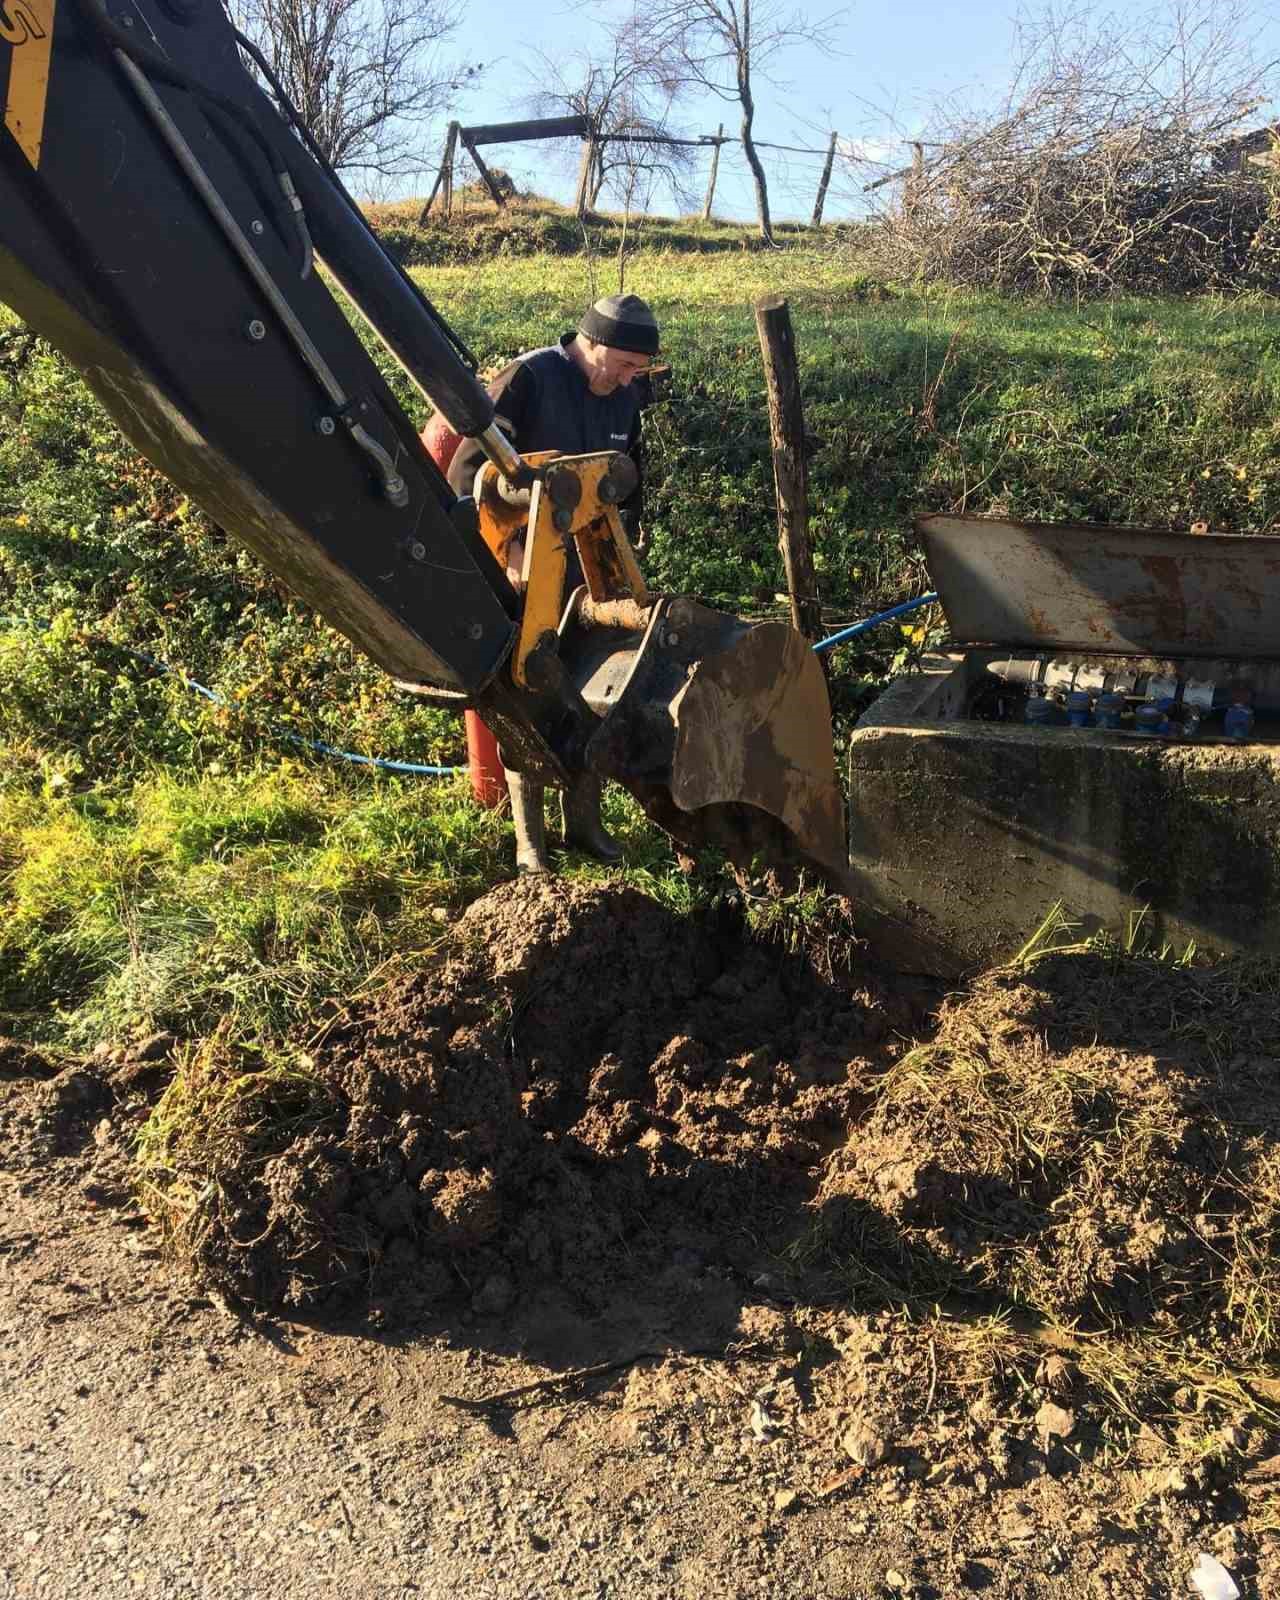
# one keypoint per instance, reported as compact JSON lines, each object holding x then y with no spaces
{"x":243,"y":901}
{"x":167,"y":862}
{"x":1134,"y":411}
{"x":238,"y":900}
{"x":1139,"y":411}
{"x":533,"y":226}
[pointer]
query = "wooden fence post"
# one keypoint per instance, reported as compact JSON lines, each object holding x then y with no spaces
{"x":915,"y":181}
{"x":585,"y":165}
{"x":711,"y":181}
{"x":790,"y":472}
{"x":486,"y":177}
{"x":451,"y":155}
{"x":444,"y":178}
{"x":823,"y":182}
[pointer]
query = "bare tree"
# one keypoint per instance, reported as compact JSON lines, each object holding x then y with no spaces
{"x":635,"y":172}
{"x":365,"y":74}
{"x":629,"y":111}
{"x":722,"y":47}
{"x":1108,"y":164}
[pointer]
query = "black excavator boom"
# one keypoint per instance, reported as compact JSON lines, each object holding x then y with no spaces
{"x":161,"y":220}
{"x":146,"y":229}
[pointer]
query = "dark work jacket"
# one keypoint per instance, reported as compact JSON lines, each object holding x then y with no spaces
{"x":543,"y":402}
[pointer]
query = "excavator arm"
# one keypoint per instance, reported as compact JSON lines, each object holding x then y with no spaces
{"x":161,"y":221}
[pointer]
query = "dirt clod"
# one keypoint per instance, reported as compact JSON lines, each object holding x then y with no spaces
{"x":865,"y":1445}
{"x":18,"y":1060}
{"x":1054,"y":1421}
{"x":495,"y":1296}
{"x":67,"y":1109}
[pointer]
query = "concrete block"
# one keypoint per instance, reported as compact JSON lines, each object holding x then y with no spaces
{"x":972,"y":830}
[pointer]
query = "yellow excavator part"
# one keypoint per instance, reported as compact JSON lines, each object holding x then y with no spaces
{"x":722,"y":728}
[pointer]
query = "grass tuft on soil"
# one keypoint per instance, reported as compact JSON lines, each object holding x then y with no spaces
{"x":1091,"y":1139}
{"x":209,"y":1148}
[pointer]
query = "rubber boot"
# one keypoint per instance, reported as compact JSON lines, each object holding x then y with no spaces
{"x":531,"y":827}
{"x":583,"y":829}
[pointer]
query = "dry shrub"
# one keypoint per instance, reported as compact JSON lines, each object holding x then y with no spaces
{"x":1119,"y":160}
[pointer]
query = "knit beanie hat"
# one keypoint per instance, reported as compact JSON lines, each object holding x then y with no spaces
{"x":623,"y":322}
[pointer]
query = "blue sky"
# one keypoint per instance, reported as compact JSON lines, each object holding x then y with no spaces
{"x":896,"y":57}
{"x":891,"y":61}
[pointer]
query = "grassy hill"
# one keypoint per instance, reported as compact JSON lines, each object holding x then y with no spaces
{"x":170,"y":862}
{"x":531,"y":225}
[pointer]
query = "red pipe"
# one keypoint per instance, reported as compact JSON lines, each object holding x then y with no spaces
{"x":441,"y":442}
{"x":488,"y":780}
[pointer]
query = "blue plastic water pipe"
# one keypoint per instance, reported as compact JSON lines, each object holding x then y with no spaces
{"x":874,"y":622}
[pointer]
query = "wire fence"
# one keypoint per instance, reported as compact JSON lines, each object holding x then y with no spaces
{"x":708,"y":174}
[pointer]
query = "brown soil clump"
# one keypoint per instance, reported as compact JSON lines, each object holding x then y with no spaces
{"x":20,"y":1061}
{"x":55,"y":1115}
{"x":53,"y":1108}
{"x":1094,"y":1139}
{"x":590,"y":1089}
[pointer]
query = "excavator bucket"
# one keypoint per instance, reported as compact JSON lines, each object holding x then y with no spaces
{"x":721,"y":728}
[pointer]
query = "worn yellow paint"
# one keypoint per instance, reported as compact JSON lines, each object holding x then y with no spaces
{"x":632,"y":579}
{"x":608,"y":562}
{"x":545,"y":562}
{"x":27,"y":27}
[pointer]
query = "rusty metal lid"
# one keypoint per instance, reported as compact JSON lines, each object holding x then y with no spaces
{"x":1121,"y":591}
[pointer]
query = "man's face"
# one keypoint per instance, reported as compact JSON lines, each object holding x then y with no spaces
{"x":614,"y":369}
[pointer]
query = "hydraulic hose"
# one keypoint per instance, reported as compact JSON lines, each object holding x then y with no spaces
{"x":304,"y":133}
{"x":159,"y":66}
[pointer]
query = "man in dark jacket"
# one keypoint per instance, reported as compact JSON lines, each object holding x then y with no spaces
{"x":583,"y":394}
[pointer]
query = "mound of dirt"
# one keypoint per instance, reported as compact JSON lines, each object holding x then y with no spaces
{"x":596,"y":1094}
{"x":54,"y":1114}
{"x":591,"y":1087}
{"x":53,"y":1107}
{"x":1094,"y":1139}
